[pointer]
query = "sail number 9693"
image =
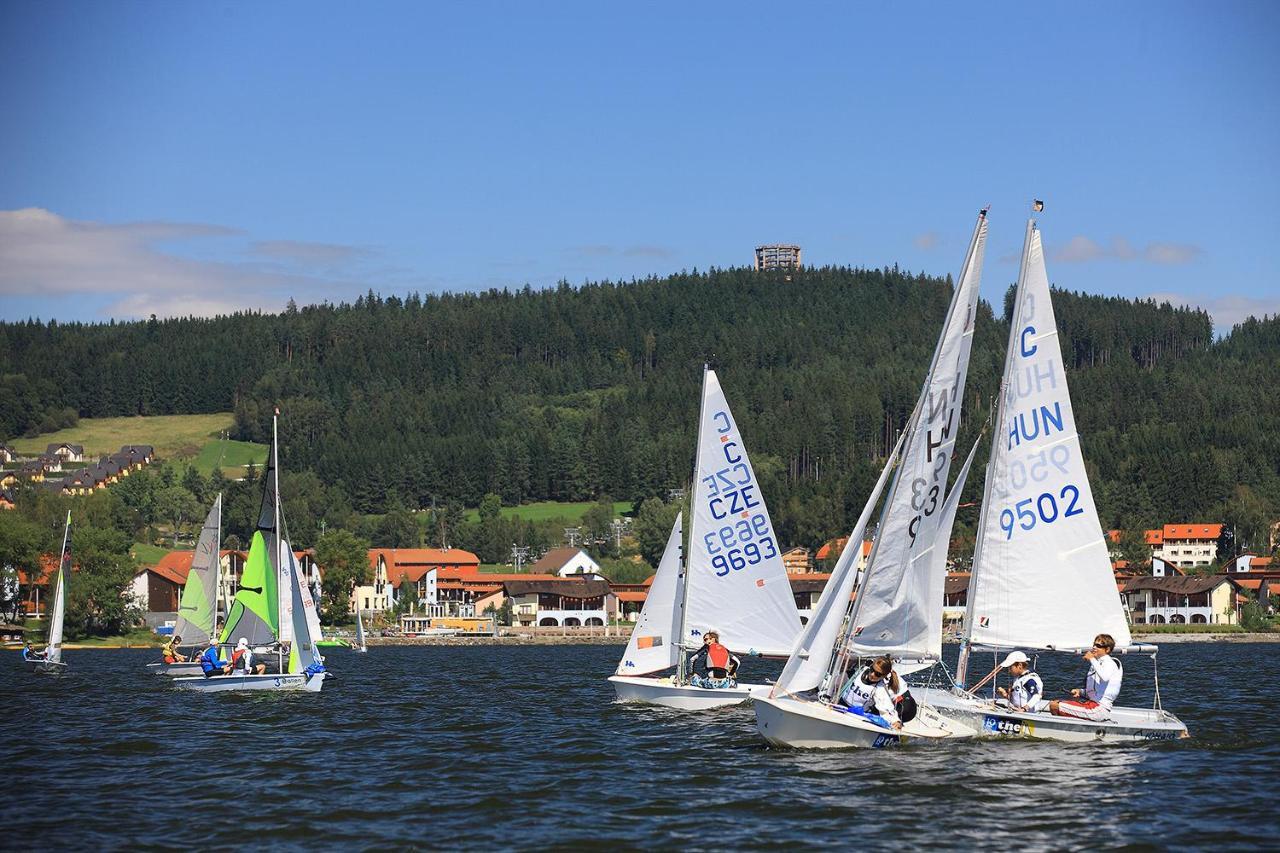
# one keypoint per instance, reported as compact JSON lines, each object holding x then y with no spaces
{"x":743,"y":543}
{"x":1029,"y":512}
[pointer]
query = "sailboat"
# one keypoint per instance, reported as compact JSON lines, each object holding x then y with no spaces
{"x":734,"y":581}
{"x":360,"y":646}
{"x":1042,"y":576}
{"x":273,"y":608}
{"x":198,"y":606}
{"x":898,"y":608}
{"x":50,"y":661}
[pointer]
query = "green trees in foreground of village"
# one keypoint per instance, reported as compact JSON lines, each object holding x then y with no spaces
{"x":399,"y":405}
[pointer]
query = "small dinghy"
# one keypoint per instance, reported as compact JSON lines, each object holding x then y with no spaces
{"x":273,"y":609}
{"x":898,"y":609}
{"x":49,"y":662}
{"x":360,"y":646}
{"x":733,"y":581}
{"x":198,"y":606}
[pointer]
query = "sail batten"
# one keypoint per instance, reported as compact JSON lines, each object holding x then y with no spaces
{"x":1039,"y":533}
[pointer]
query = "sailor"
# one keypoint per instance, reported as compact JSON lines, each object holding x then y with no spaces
{"x":170,"y":650}
{"x":1101,"y":686}
{"x":242,"y":659}
{"x":1027,"y":689}
{"x":721,"y":665}
{"x":29,"y":653}
{"x":212,"y":663}
{"x":874,"y":689}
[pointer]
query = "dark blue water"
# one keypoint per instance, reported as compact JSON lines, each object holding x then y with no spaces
{"x":452,"y":747}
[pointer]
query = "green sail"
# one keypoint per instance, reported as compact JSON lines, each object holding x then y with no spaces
{"x":255,"y":613}
{"x":199,"y":604}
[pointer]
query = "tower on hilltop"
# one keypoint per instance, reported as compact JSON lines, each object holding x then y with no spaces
{"x":777,"y":257}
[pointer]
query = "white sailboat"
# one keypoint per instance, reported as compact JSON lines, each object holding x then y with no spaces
{"x":273,"y":608}
{"x":360,"y":645}
{"x":198,"y":605}
{"x":50,"y":660}
{"x":734,"y":580}
{"x":1042,"y":576}
{"x":898,"y":609}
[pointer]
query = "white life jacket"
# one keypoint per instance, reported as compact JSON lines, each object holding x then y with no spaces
{"x":1026,"y":691}
{"x":1102,"y":684}
{"x":858,"y":694}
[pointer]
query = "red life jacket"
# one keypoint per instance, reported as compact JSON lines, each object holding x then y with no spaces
{"x":717,"y":656}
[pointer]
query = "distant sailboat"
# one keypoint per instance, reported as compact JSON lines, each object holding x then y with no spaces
{"x":734,"y":581}
{"x":360,"y":646}
{"x":50,"y":661}
{"x":1042,"y":576}
{"x":898,"y":609}
{"x":198,"y":606}
{"x":273,"y":607}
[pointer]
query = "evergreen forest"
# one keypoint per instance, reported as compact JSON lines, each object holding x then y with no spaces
{"x":576,"y":392}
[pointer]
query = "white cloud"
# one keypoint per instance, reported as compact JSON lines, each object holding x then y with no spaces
{"x":1226,"y":310}
{"x":308,"y":254}
{"x":42,"y":253}
{"x":926,"y":241}
{"x":1081,"y":249}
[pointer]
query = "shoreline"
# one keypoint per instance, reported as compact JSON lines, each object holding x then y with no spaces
{"x":600,"y":640}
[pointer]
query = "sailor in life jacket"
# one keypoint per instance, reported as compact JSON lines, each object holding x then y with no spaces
{"x":1027,"y":691}
{"x":1101,"y":686}
{"x":721,"y":665}
{"x":875,"y":688}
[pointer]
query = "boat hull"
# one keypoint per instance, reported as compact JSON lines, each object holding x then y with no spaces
{"x":683,"y":697}
{"x":173,"y":670}
{"x":240,"y":682}
{"x":985,"y":718}
{"x":807,"y":724}
{"x":45,"y":667}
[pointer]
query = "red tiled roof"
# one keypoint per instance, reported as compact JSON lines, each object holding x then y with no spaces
{"x":1192,"y":531}
{"x":626,"y":595}
{"x":1154,"y":537}
{"x":1114,"y":535}
{"x":170,"y":573}
{"x":831,"y":548}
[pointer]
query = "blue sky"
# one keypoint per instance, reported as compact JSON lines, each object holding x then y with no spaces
{"x":202,"y":157}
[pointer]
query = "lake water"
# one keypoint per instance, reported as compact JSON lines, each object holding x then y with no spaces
{"x":482,"y":747}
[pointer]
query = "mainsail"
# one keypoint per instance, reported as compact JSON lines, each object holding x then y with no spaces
{"x":255,"y":612}
{"x":1042,"y":576}
{"x":654,"y":643}
{"x":198,"y":607}
{"x":359,"y":630}
{"x":57,"y":615}
{"x":894,"y":609}
{"x":302,"y":649}
{"x":737,"y":583}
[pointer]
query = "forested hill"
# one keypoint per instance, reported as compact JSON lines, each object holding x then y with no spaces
{"x":577,"y":391}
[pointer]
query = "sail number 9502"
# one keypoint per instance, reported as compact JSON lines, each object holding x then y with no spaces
{"x":1045,"y":508}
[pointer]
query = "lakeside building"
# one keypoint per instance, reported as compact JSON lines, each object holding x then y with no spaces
{"x":555,"y":602}
{"x":777,"y":256}
{"x":410,"y":572}
{"x":567,"y":562}
{"x":797,"y":561}
{"x":1174,"y":600}
{"x":806,"y":589}
{"x":1185,"y":545}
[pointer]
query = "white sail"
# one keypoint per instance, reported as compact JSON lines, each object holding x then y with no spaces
{"x":284,"y":589}
{"x":654,"y":643}
{"x":894,"y":609}
{"x":937,"y":591}
{"x":811,"y":655}
{"x":737,"y":582}
{"x":57,"y":615}
{"x":1042,"y":575}
{"x":302,"y":652}
{"x":198,"y":606}
{"x":359,"y":631}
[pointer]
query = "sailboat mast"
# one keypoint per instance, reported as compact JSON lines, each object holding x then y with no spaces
{"x":1015,"y":322}
{"x":684,"y":552}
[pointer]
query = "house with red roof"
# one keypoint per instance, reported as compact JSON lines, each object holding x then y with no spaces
{"x":414,"y":573}
{"x":1185,"y":545}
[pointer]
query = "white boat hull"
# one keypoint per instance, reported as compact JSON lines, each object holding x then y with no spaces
{"x":174,"y":670}
{"x":985,"y":718}
{"x":46,"y":667}
{"x":806,"y":724}
{"x":683,"y":697}
{"x":240,"y":682}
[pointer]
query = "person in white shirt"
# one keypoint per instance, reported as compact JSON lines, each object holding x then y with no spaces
{"x":1101,"y":686}
{"x":874,"y":688}
{"x":1027,"y":690}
